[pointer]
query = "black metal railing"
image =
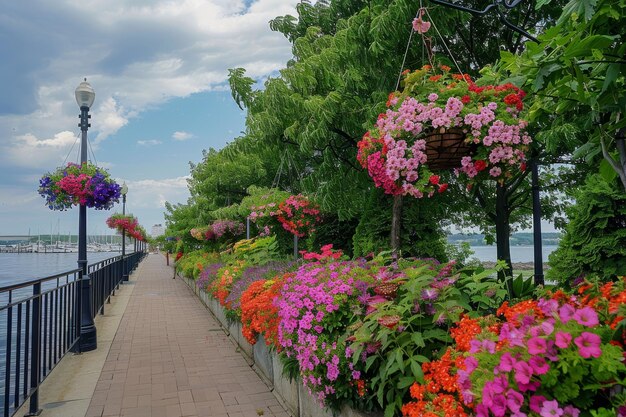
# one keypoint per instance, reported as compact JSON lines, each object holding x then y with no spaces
{"x":40,"y":323}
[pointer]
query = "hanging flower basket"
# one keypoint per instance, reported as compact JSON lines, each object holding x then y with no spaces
{"x":298,"y":215}
{"x":129,"y":224}
{"x":446,"y":147}
{"x":445,"y":121}
{"x":75,"y":184}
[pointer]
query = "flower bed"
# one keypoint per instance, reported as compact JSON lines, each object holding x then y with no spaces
{"x":417,"y":337}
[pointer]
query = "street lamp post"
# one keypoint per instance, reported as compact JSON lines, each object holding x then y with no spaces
{"x":124,"y":269}
{"x":85,"y":97}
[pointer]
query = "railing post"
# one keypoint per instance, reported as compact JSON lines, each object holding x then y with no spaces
{"x":7,"y":370}
{"x":35,"y":354}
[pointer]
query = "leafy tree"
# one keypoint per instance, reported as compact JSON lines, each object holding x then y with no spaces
{"x":594,"y":242}
{"x":577,"y":74}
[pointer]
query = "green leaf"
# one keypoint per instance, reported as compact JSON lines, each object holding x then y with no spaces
{"x":405,"y":381}
{"x":586,"y":45}
{"x":541,"y":3}
{"x":612,"y":73}
{"x":607,"y":171}
{"x":417,"y":370}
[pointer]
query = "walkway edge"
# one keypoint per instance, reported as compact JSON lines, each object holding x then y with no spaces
{"x":67,"y":391}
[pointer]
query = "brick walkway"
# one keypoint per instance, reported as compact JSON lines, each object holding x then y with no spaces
{"x":170,"y":358}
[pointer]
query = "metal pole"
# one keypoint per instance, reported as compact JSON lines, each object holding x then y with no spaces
{"x":537,"y":223}
{"x":295,"y":247}
{"x":247,"y":227}
{"x":124,"y":270}
{"x":87,"y":327}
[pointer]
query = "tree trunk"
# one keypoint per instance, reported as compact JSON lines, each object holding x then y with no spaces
{"x":396,"y":223}
{"x":503,"y":231}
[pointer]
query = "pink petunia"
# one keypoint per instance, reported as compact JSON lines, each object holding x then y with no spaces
{"x":588,"y":345}
{"x":539,"y":365}
{"x":523,"y":372}
{"x":536,"y":402}
{"x":566,"y":312}
{"x":586,"y":316}
{"x":562,"y":339}
{"x":420,"y":26}
{"x":537,"y":346}
{"x":551,"y":409}
{"x":514,"y":400}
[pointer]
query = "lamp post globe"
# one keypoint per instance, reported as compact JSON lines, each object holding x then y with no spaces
{"x":85,"y":97}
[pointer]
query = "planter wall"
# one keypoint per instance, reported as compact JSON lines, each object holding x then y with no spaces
{"x":285,"y":391}
{"x":244,"y":346}
{"x":292,"y":395}
{"x":263,"y":361}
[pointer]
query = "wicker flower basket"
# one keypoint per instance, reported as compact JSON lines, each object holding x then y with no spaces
{"x":445,"y":148}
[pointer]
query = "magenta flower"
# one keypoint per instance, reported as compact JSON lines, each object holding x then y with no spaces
{"x":507,"y":361}
{"x":588,"y":345}
{"x":470,"y":364}
{"x":537,"y":346}
{"x":566,"y":312}
{"x":562,"y":339}
{"x":571,"y":411}
{"x":551,"y":409}
{"x":523,"y":372}
{"x":514,"y":400}
{"x":548,"y":306}
{"x":586,"y":316}
{"x":539,"y":365}
{"x":498,"y":405}
{"x":536,"y":402}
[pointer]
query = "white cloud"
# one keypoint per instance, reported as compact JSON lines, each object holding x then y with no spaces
{"x":136,"y":54}
{"x":181,"y":136}
{"x":150,"y":142}
{"x":150,"y":193}
{"x":28,"y":151}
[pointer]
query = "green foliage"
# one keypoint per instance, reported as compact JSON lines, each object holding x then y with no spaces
{"x":192,"y":264}
{"x":411,"y":328}
{"x":256,"y":251}
{"x":594,"y":242}
{"x":577,"y":74}
{"x":422,"y":235}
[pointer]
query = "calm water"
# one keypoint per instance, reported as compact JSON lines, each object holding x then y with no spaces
{"x":19,"y":267}
{"x":518,"y":253}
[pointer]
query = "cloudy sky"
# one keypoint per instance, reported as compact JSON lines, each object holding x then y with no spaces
{"x":158,"y":68}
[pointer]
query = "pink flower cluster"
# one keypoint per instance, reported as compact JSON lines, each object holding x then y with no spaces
{"x":76,"y":185}
{"x":527,"y":351}
{"x":394,"y":152}
{"x":310,"y":328}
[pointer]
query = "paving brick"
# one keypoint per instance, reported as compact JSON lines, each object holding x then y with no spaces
{"x":168,"y":360}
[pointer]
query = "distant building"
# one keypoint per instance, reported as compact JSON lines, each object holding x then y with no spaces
{"x":157,"y":230}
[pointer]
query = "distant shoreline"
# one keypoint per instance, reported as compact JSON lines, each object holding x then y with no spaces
{"x":518,"y":266}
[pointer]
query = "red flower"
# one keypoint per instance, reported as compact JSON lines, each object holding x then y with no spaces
{"x":480,"y":165}
{"x":434,"y":78}
{"x":523,"y":167}
{"x":434,"y":179}
{"x":443,"y":187}
{"x":465,"y":99}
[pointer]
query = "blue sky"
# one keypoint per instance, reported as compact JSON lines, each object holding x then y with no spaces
{"x":159,"y":70}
